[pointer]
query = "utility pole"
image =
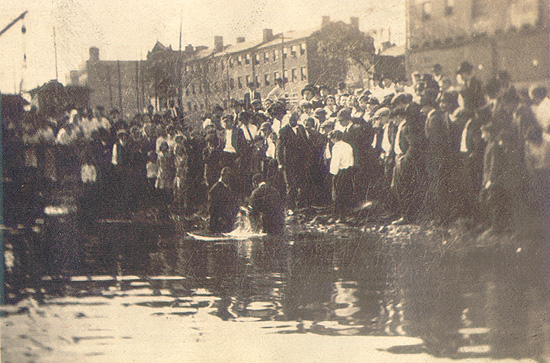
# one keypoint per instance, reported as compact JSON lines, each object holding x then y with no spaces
{"x":179,"y":64}
{"x":283,"y":59}
{"x":119,"y":87}
{"x":55,"y":51}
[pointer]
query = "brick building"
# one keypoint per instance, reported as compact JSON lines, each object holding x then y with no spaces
{"x":214,"y":76}
{"x":493,"y":35}
{"x":201,"y":77}
{"x":114,"y":84}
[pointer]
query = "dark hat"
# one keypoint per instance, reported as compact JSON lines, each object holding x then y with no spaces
{"x":320,"y":111}
{"x":374,"y":101}
{"x":310,"y":88}
{"x":344,"y":113}
{"x":364,"y":97}
{"x":402,"y":98}
{"x":397,"y":113}
{"x":450,"y":98}
{"x":465,"y":67}
{"x":217,"y":108}
{"x":265,"y":125}
{"x":381,"y":112}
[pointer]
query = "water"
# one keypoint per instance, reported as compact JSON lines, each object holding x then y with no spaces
{"x":480,"y":302}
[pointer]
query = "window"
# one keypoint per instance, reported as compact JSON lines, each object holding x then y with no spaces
{"x":224,"y":87}
{"x":230,"y":62}
{"x":266,"y":79}
{"x":196,"y":108}
{"x":275,"y":55}
{"x":426,"y":10}
{"x":294,"y":74}
{"x":285,"y":53}
{"x":240,"y":60}
{"x":285,"y":75}
{"x":276,"y":75}
{"x":202,"y":106}
{"x":232,"y":83}
{"x":248,"y":80}
{"x":266,"y":57}
{"x":256,"y":58}
{"x":449,"y":7}
{"x":247,"y":59}
{"x":303,"y":73}
{"x":189,"y":106}
{"x":206,"y":88}
{"x":256,"y":81}
{"x":214,"y":66}
{"x":481,"y":8}
{"x":293,"y":51}
{"x":200,"y":88}
{"x":187,"y":68}
{"x":193,"y":89}
{"x":302,"y":48}
{"x":239,"y":82}
{"x":187,"y":92}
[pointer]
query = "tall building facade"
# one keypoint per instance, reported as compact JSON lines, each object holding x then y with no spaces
{"x":197,"y":78}
{"x":217,"y":75}
{"x":115,"y":84}
{"x":493,"y":35}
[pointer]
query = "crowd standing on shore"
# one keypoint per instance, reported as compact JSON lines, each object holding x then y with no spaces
{"x":422,"y":149}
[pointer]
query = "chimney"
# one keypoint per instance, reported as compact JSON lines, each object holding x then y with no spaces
{"x":268,"y":35}
{"x":94,"y":54}
{"x":218,"y":43}
{"x":240,"y":39}
{"x":354,"y":22}
{"x":325,"y":21}
{"x":188,"y":48}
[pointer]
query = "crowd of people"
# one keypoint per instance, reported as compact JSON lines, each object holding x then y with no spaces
{"x":422,"y":150}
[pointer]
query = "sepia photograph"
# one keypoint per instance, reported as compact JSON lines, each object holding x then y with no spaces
{"x":275,"y":181}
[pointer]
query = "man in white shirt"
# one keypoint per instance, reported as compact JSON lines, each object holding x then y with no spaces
{"x":341,"y":167}
{"x":277,"y":93}
{"x":250,"y":131}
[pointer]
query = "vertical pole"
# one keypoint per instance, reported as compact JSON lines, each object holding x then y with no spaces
{"x":228,"y":84}
{"x":110,"y":86}
{"x":55,"y":52}
{"x":179,"y":65}
{"x":137,"y":86}
{"x":119,"y":88}
{"x":283,"y":60}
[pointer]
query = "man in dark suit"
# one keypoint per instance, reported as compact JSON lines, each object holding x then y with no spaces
{"x":292,"y":148}
{"x":267,"y":210}
{"x":251,"y":95}
{"x":472,"y":91}
{"x":222,"y":204}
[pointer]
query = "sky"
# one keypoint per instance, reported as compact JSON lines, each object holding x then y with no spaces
{"x":126,"y":30}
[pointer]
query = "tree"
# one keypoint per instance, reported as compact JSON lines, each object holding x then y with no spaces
{"x":340,"y":45}
{"x":161,"y":75}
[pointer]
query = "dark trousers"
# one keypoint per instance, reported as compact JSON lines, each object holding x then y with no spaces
{"x":342,"y":191}
{"x":295,"y":184}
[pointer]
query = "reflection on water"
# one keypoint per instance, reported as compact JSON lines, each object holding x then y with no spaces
{"x":484,"y":302}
